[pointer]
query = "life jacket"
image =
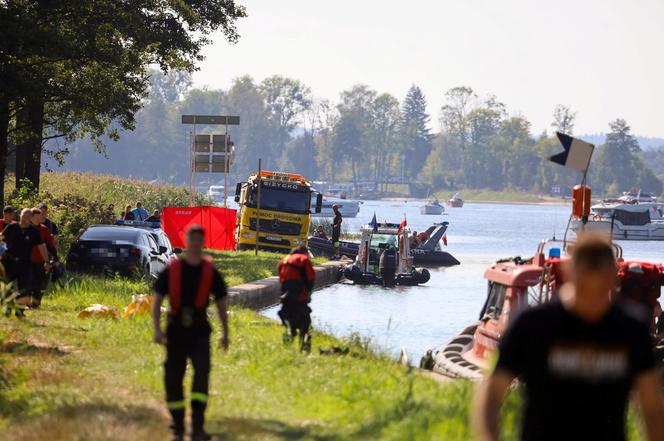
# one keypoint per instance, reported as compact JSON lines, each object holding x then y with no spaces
{"x":295,"y":283}
{"x":640,"y":282}
{"x":175,"y":285}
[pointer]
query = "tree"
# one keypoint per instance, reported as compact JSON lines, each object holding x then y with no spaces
{"x":453,"y":140}
{"x":286,"y":100}
{"x":416,"y":136}
{"x":254,"y":136}
{"x":326,"y":117}
{"x":74,"y":68}
{"x":385,"y":120}
{"x":563,"y":119}
{"x":168,"y":87}
{"x":347,"y":136}
{"x":618,"y":167}
{"x":352,"y":136}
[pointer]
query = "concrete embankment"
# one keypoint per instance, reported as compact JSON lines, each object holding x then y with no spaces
{"x":266,"y":292}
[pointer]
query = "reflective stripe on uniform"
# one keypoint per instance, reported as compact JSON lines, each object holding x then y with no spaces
{"x":175,"y":405}
{"x":199,"y":396}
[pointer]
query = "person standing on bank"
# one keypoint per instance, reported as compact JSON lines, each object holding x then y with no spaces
{"x":578,"y":358}
{"x":297,"y":278}
{"x":39,"y":274}
{"x":21,"y":238}
{"x":140,"y":213}
{"x":336,"y":229}
{"x":188,"y":282}
{"x":8,"y":217}
{"x":52,"y":226}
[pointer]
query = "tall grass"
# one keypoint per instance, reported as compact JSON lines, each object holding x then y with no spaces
{"x":77,"y":200}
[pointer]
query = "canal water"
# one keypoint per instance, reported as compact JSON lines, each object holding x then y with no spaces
{"x":424,"y":317}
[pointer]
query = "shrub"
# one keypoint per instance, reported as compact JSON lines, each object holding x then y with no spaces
{"x":77,"y":200}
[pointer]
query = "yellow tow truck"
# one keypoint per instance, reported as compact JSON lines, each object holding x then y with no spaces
{"x":284,"y":213}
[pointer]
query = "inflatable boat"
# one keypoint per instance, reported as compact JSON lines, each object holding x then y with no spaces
{"x":384,"y":258}
{"x":429,"y":253}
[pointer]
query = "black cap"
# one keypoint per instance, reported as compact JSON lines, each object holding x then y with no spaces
{"x":9,"y":209}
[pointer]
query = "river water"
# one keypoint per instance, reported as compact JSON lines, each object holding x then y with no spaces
{"x":423,"y":317}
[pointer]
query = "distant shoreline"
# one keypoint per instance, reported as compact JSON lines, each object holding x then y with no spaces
{"x":547,"y":201}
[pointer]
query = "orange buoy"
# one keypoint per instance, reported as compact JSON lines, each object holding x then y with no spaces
{"x":581,"y":196}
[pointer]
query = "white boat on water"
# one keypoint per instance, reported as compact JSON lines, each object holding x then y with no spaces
{"x":347,"y":207}
{"x":626,"y":219}
{"x":432,"y":207}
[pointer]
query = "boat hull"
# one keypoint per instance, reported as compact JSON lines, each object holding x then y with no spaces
{"x":347,"y":208}
{"x":455,"y":203}
{"x":455,"y":358}
{"x":651,"y":231}
{"x":421,"y":257}
{"x":432,"y":209}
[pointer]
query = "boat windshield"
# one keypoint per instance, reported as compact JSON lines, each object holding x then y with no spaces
{"x":377,"y":239}
{"x":278,"y":199}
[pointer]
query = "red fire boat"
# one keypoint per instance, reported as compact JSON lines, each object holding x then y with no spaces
{"x":515,"y":284}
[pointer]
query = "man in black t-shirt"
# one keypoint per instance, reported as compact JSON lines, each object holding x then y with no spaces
{"x":52,"y":226}
{"x":188,"y":282}
{"x":578,"y":358}
{"x":20,"y":239}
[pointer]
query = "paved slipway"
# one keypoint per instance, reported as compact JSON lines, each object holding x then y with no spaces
{"x":265,"y":292}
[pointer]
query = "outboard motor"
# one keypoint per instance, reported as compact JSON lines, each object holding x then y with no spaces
{"x":387,"y":265}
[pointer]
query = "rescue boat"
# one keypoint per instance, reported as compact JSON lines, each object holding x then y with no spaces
{"x":380,"y":240}
{"x":515,"y":284}
{"x":429,"y":253}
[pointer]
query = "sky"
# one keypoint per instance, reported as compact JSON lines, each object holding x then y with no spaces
{"x":603,"y":58}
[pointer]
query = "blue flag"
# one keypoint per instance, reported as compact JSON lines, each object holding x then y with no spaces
{"x":374,"y":223}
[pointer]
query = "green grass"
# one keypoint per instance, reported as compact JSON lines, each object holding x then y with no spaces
{"x":509,"y":196}
{"x":63,"y":378}
{"x":243,"y":266}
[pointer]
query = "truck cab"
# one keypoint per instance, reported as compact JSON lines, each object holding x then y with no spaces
{"x":275,"y":211}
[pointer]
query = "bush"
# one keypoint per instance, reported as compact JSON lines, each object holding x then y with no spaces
{"x":77,"y":200}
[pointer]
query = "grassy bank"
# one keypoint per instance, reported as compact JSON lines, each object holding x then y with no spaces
{"x":63,"y":378}
{"x":243,"y":266}
{"x":506,"y":196}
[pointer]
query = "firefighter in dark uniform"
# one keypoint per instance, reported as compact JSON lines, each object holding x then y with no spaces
{"x":188,"y":282}
{"x":387,"y":265}
{"x":21,"y":238}
{"x":297,"y":277}
{"x":336,"y":229}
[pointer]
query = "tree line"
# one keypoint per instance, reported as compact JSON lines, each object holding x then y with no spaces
{"x":367,"y":136}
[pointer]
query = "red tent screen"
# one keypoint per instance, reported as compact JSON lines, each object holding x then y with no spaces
{"x":219,"y":225}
